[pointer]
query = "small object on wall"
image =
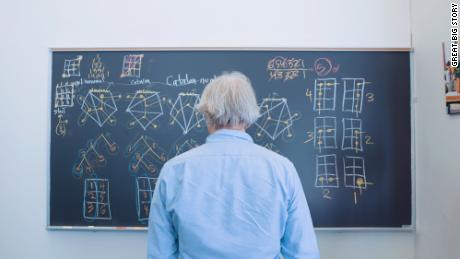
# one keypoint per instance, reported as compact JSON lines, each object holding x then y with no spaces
{"x":451,"y":83}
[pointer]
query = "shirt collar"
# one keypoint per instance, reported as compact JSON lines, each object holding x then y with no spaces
{"x":228,"y":135}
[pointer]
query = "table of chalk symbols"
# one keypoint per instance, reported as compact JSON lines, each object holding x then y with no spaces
{"x":342,"y":117}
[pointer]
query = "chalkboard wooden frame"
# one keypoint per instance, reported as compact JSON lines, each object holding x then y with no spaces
{"x":52,"y":50}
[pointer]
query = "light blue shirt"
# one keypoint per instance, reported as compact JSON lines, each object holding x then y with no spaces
{"x":230,"y":198}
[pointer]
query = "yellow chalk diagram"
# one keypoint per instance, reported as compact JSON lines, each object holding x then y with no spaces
{"x":146,"y":156}
{"x":99,"y":106}
{"x":94,"y":155}
{"x":326,"y":171}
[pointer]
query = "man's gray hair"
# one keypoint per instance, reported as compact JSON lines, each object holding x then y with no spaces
{"x":229,"y":100}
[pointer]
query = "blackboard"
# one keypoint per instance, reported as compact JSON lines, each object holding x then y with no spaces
{"x":342,"y":117}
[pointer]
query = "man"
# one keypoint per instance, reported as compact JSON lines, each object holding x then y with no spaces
{"x":230,"y":198}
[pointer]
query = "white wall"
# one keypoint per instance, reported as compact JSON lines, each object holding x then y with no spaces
{"x":29,"y":28}
{"x":437,"y":138}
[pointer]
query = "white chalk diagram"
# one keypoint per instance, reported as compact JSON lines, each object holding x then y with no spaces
{"x":326,"y":172}
{"x":354,"y":172}
{"x":184,"y":113}
{"x":324,"y":94}
{"x":72,"y":67}
{"x":353,"y":91}
{"x":97,"y":70}
{"x":275,"y":118}
{"x":64,"y":96}
{"x":352,"y":134}
{"x":146,"y":156}
{"x":325,"y":133}
{"x":96,"y":201}
{"x":145,"y":187}
{"x":98,"y":105}
{"x":184,"y":146}
{"x":145,"y":107}
{"x":61,"y":126}
{"x":132,"y":65}
{"x":92,"y":156}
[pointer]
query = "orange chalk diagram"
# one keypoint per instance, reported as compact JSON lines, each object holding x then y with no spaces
{"x":98,"y":105}
{"x":94,"y":155}
{"x":146,"y":156}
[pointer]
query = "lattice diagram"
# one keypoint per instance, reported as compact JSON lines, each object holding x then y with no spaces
{"x":324,"y":94}
{"x":353,"y":91}
{"x":354,"y":172}
{"x":132,"y":65}
{"x":64,"y":95}
{"x":325,"y":133}
{"x":352,"y":134}
{"x":326,"y":171}
{"x":72,"y":67}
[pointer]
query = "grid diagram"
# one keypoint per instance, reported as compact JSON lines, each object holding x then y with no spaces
{"x":326,"y":171}
{"x":183,"y":112}
{"x":352,"y":134}
{"x":96,"y":202}
{"x":275,"y":118}
{"x":354,"y":172}
{"x":325,"y":133}
{"x":65,"y":95}
{"x":145,"y":107}
{"x":72,"y":67}
{"x":144,"y":193}
{"x":353,"y":91}
{"x":98,"y":105}
{"x":132,"y":65}
{"x":146,"y":156}
{"x":324,"y":94}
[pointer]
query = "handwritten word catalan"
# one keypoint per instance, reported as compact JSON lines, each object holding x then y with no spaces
{"x":184,"y":80}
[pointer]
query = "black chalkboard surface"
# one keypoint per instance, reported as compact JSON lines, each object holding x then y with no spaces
{"x":342,"y":117}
